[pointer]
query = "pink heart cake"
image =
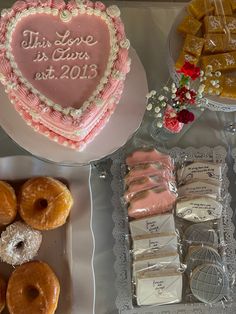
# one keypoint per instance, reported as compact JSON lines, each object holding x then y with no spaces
{"x":64,"y":66}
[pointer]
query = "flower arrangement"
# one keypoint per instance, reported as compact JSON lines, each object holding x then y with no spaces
{"x":173,"y":106}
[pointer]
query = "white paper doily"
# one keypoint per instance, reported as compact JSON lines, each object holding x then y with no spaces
{"x":122,"y":245}
{"x":123,"y":123}
{"x":175,"y":42}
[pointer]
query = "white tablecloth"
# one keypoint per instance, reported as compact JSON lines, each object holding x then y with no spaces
{"x":147,"y":26}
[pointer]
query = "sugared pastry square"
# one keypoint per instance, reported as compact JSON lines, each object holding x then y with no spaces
{"x":159,"y":287}
{"x":229,"y":87}
{"x":219,"y":43}
{"x":222,"y":7}
{"x":184,"y":56}
{"x":189,"y":25}
{"x":214,"y":85}
{"x":213,"y":24}
{"x":214,"y":43}
{"x":200,"y":8}
{"x":193,"y":45}
{"x":233,"y":4}
{"x":220,"y":62}
{"x":220,"y":24}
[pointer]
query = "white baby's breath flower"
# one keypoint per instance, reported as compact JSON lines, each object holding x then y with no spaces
{"x":161,"y":97}
{"x":217,"y":73}
{"x":159,"y":124}
{"x":209,"y":67}
{"x":166,"y":88}
{"x":173,"y":96}
{"x":201,"y":88}
{"x":157,"y":109}
{"x":213,"y":82}
{"x":163,"y":104}
{"x":188,"y":96}
{"x":149,"y":107}
{"x":159,"y":115}
{"x":201,"y":73}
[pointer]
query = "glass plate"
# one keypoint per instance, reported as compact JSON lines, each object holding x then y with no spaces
{"x":121,"y":247}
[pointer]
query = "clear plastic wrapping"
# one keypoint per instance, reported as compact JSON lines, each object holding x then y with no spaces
{"x":174,"y":260}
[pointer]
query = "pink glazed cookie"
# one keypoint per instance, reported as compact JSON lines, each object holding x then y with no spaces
{"x":64,"y":66}
{"x":151,"y":202}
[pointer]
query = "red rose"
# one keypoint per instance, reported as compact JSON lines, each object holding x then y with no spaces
{"x":189,"y":69}
{"x":185,"y":116}
{"x":170,"y":121}
{"x":181,"y":95}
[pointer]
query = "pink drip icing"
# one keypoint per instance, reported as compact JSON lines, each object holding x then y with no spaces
{"x":67,"y":120}
{"x":58,"y":4}
{"x":100,"y":6}
{"x":5,"y":67}
{"x":88,"y":3}
{"x":71,"y":5}
{"x":19,"y":6}
{"x":56,"y":115}
{"x":32,"y":3}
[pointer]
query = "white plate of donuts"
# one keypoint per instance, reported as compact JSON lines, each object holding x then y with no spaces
{"x":46,"y":243}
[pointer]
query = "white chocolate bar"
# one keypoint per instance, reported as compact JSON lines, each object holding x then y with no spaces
{"x":198,"y":209}
{"x":155,"y":243}
{"x":153,"y":224}
{"x":159,"y":288}
{"x":156,"y":262}
{"x":200,"y":188}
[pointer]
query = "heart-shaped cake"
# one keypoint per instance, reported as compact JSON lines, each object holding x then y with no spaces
{"x":64,"y":65}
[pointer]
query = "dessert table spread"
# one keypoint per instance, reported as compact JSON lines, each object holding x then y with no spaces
{"x":147,"y":26}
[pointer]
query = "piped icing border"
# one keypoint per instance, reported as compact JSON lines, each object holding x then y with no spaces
{"x":117,"y":68}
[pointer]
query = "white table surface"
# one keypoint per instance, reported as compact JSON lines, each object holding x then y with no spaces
{"x":147,"y":25}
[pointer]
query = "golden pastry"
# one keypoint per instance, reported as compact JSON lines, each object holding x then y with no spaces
{"x":189,"y":25}
{"x":33,"y":288}
{"x":44,"y":203}
{"x":200,"y":8}
{"x":8,"y":204}
{"x":220,"y":62}
{"x":193,"y":45}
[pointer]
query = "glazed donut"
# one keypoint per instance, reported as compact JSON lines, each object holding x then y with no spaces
{"x":33,"y":288}
{"x":3,"y":288}
{"x":44,"y":203}
{"x":19,"y":243}
{"x":8,"y":203}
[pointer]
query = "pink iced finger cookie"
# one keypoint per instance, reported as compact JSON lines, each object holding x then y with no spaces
{"x":151,"y":202}
{"x":149,"y":156}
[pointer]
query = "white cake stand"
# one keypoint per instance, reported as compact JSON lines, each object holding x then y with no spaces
{"x":123,"y":123}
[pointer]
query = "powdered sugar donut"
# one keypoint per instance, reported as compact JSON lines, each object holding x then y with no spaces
{"x":19,"y":243}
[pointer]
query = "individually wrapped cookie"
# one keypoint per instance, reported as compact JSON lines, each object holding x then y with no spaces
{"x":200,"y":170}
{"x":209,"y":283}
{"x":148,"y":155}
{"x":146,"y":183}
{"x":151,"y":169}
{"x":155,"y":242}
{"x":198,"y":255}
{"x":201,"y":234}
{"x":158,"y":287}
{"x":155,"y":261}
{"x":151,"y":202}
{"x":154,"y":224}
{"x":198,"y":208}
{"x":201,"y":187}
